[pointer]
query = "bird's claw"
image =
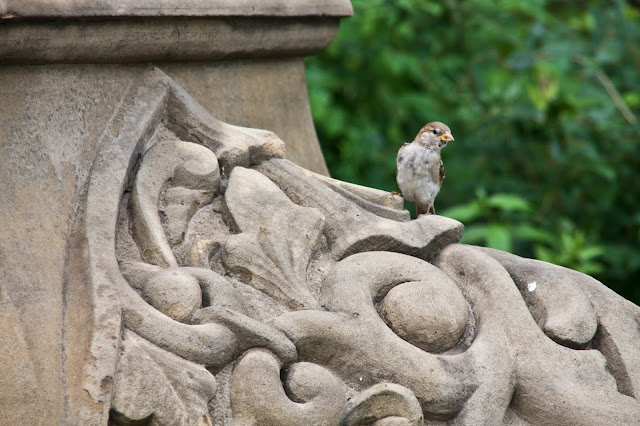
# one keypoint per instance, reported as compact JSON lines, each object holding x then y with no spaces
{"x":429,"y":213}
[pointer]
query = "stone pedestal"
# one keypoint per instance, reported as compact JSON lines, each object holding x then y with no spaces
{"x":65,"y":70}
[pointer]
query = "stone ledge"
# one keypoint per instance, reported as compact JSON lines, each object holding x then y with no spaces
{"x":128,"y":40}
{"x":20,"y":9}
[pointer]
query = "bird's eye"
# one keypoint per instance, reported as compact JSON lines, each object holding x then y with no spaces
{"x":435,"y":132}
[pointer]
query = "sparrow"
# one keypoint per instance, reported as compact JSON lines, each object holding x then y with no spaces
{"x":420,"y":170}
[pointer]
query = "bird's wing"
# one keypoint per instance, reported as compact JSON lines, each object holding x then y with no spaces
{"x":441,"y":171}
{"x":435,"y":173}
{"x":402,"y":154}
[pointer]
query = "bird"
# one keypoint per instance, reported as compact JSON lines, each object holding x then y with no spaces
{"x":420,"y":169}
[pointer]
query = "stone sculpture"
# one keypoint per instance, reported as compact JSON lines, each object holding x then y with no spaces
{"x":235,"y":287}
{"x":161,"y":266}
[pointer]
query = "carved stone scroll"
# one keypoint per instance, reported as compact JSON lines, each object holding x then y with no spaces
{"x":252,"y":291}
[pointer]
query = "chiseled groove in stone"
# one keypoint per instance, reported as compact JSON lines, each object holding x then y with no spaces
{"x":159,"y":164}
{"x":161,"y":39}
{"x":376,"y":196}
{"x":249,"y":332}
{"x":374,"y":207}
{"x":212,"y":345}
{"x":215,"y":288}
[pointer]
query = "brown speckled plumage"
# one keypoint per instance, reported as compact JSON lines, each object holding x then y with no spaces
{"x":420,"y":170}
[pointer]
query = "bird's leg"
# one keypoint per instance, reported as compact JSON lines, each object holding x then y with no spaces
{"x":396,"y":193}
{"x":422,"y":210}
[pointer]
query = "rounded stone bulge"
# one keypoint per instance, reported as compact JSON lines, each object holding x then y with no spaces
{"x":173,"y":292}
{"x":431,"y":315}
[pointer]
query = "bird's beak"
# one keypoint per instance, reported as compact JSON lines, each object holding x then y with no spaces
{"x":446,"y":137}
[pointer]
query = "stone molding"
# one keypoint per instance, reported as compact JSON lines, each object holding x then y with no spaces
{"x":162,"y":39}
{"x":41,"y":32}
{"x":19,"y":9}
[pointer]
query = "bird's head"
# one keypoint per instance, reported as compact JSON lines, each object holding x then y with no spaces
{"x":434,"y":135}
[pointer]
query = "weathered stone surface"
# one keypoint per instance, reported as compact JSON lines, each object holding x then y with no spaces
{"x":12,"y":9}
{"x":268,"y":250}
{"x":160,"y":39}
{"x":544,"y":372}
{"x":355,"y":227}
{"x":384,"y":404}
{"x":618,"y":330}
{"x":175,"y":294}
{"x":258,"y":396}
{"x":58,"y":126}
{"x":46,"y":157}
{"x":189,"y":166}
{"x":431,"y":315}
{"x":262,"y":93}
{"x":296,"y":299}
{"x":248,"y":71}
{"x":163,"y":266}
{"x":19,"y":377}
{"x":178,"y":392}
{"x":353,"y":340}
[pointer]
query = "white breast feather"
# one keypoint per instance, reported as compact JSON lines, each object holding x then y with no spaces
{"x":413,"y":177}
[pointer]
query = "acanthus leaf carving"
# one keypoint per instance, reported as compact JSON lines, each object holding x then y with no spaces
{"x":276,"y":241}
{"x":176,"y":392}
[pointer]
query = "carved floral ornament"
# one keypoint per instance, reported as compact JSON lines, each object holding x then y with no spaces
{"x":242,"y":289}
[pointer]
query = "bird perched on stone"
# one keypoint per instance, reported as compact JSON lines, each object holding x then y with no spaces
{"x":419,"y":167}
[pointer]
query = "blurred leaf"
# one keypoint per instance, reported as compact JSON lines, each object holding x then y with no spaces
{"x":463,"y":213}
{"x":544,"y":254}
{"x":590,"y":253}
{"x":521,"y":60}
{"x":475,"y":234}
{"x":509,"y":202}
{"x":498,"y":237}
{"x":529,"y":232}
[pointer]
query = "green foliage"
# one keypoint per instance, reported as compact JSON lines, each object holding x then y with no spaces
{"x":573,"y":250}
{"x":497,"y":221}
{"x":543,"y":98}
{"x":500,"y":221}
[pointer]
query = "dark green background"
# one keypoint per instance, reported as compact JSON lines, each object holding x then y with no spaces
{"x":543,"y":98}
